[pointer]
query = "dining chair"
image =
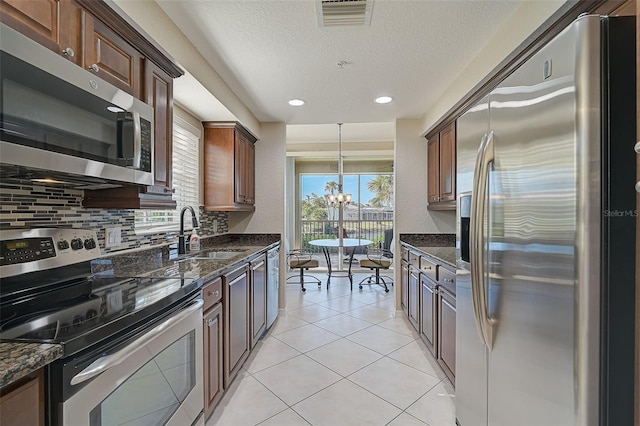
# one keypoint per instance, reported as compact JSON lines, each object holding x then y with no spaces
{"x":298,"y":259}
{"x":377,"y":259}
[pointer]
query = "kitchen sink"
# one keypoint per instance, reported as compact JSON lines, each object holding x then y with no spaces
{"x":214,"y":255}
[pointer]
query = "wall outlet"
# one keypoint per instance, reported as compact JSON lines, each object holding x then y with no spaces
{"x":112,"y":236}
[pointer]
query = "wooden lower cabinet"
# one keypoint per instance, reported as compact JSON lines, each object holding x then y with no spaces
{"x":213,"y":344}
{"x":236,"y":321}
{"x":413,"y":292}
{"x":22,"y":403}
{"x":404,"y":287}
{"x":213,"y":358}
{"x":258,"y":299}
{"x":428,"y":311}
{"x":447,"y":332}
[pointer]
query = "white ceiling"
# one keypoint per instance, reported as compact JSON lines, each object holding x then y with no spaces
{"x":270,"y":51}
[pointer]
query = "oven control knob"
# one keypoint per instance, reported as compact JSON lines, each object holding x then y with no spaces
{"x":63,"y":244}
{"x":89,"y":243}
{"x":76,"y":244}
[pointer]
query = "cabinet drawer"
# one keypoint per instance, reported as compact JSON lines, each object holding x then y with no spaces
{"x":447,"y":279}
{"x":414,"y":259}
{"x":404,"y":253}
{"x":428,"y":268}
{"x":212,"y":293}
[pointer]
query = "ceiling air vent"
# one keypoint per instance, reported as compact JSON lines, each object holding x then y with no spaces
{"x":336,"y":13}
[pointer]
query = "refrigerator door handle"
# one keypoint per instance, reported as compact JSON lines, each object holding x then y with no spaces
{"x":478,"y":198}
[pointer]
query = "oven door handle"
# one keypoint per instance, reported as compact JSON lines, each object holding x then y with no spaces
{"x":102,"y":364}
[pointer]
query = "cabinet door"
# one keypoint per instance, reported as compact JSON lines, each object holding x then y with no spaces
{"x":23,"y":404}
{"x":427,"y":315}
{"x":447,"y":332}
{"x":447,"y":172}
{"x":213,"y":356}
{"x":258,"y":295}
{"x":111,"y":58}
{"x":71,"y":17}
{"x":414,"y":315}
{"x":158,"y":92}
{"x":433,"y":170}
{"x":236,"y":319}
{"x":245,"y":170}
{"x":37,"y":19}
{"x":404,"y":287}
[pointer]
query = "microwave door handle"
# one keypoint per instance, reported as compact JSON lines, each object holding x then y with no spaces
{"x":137,"y":140}
{"x":104,"y":363}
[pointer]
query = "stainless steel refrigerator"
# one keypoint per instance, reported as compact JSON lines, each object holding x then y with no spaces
{"x":546,"y":237}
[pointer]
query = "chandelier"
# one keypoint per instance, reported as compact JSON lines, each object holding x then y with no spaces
{"x":340,"y":198}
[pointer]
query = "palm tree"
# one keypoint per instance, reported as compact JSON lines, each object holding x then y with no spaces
{"x":331,"y":186}
{"x":382,"y":186}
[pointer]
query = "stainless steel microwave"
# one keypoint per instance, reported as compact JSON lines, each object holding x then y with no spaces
{"x":60,"y":120}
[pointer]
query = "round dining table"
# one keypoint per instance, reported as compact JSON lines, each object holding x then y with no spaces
{"x":328,"y":243}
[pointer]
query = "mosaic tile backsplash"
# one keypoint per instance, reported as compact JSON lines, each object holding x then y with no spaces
{"x":33,"y":206}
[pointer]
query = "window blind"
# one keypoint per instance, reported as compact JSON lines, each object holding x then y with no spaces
{"x":186,"y":142}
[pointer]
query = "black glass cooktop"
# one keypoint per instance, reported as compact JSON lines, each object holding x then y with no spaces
{"x":86,"y":311}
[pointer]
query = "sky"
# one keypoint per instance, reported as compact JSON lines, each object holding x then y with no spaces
{"x":316,"y":183}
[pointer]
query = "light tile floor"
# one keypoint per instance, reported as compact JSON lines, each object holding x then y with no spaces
{"x":339,"y":358}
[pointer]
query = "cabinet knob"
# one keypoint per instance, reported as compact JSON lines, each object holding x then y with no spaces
{"x":214,"y":293}
{"x":94,"y":68}
{"x":636,"y":148}
{"x":69,"y":52}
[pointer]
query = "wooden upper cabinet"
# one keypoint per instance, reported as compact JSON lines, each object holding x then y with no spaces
{"x":158,"y":92}
{"x":55,"y":24}
{"x":441,"y":169}
{"x":447,"y":186}
{"x":112,"y":58}
{"x":38,"y":20}
{"x":229,"y":167}
{"x":433,"y":169}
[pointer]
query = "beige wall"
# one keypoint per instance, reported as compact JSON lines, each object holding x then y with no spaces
{"x":524,"y":21}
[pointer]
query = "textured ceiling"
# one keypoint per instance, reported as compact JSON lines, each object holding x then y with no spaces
{"x":271,"y":51}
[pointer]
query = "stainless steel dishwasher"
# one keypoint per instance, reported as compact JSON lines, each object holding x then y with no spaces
{"x":273,"y":284}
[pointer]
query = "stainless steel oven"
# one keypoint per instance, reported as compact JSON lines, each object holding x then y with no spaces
{"x":154,"y":378}
{"x":132,"y":346}
{"x":58,"y":120}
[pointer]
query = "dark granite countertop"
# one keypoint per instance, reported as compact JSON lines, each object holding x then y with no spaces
{"x":439,"y":246}
{"x":19,"y":359}
{"x":164,"y":262}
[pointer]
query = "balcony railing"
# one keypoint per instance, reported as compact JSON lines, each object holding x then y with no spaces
{"x":368,"y":229}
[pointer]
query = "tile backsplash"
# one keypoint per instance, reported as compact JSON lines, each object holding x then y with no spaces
{"x":34,"y":206}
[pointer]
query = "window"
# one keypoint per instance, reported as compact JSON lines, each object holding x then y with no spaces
{"x":186,"y":141}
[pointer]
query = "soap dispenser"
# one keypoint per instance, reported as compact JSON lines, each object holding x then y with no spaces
{"x":194,"y":242}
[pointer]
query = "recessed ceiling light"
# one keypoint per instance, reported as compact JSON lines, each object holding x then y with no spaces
{"x":384,"y":99}
{"x":296,"y":102}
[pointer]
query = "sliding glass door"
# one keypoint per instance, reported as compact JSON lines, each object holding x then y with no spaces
{"x":369,"y":214}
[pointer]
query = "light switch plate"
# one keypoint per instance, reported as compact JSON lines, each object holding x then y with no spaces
{"x":112,"y":236}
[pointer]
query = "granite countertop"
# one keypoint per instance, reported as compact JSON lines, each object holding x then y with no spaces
{"x":19,"y":359}
{"x":165,"y":263}
{"x":445,"y":254}
{"x":439,"y":246}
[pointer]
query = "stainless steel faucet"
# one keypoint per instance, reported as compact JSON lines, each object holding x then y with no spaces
{"x":182,"y":242}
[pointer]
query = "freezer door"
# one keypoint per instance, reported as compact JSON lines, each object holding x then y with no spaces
{"x":531,"y":241}
{"x":471,"y":353}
